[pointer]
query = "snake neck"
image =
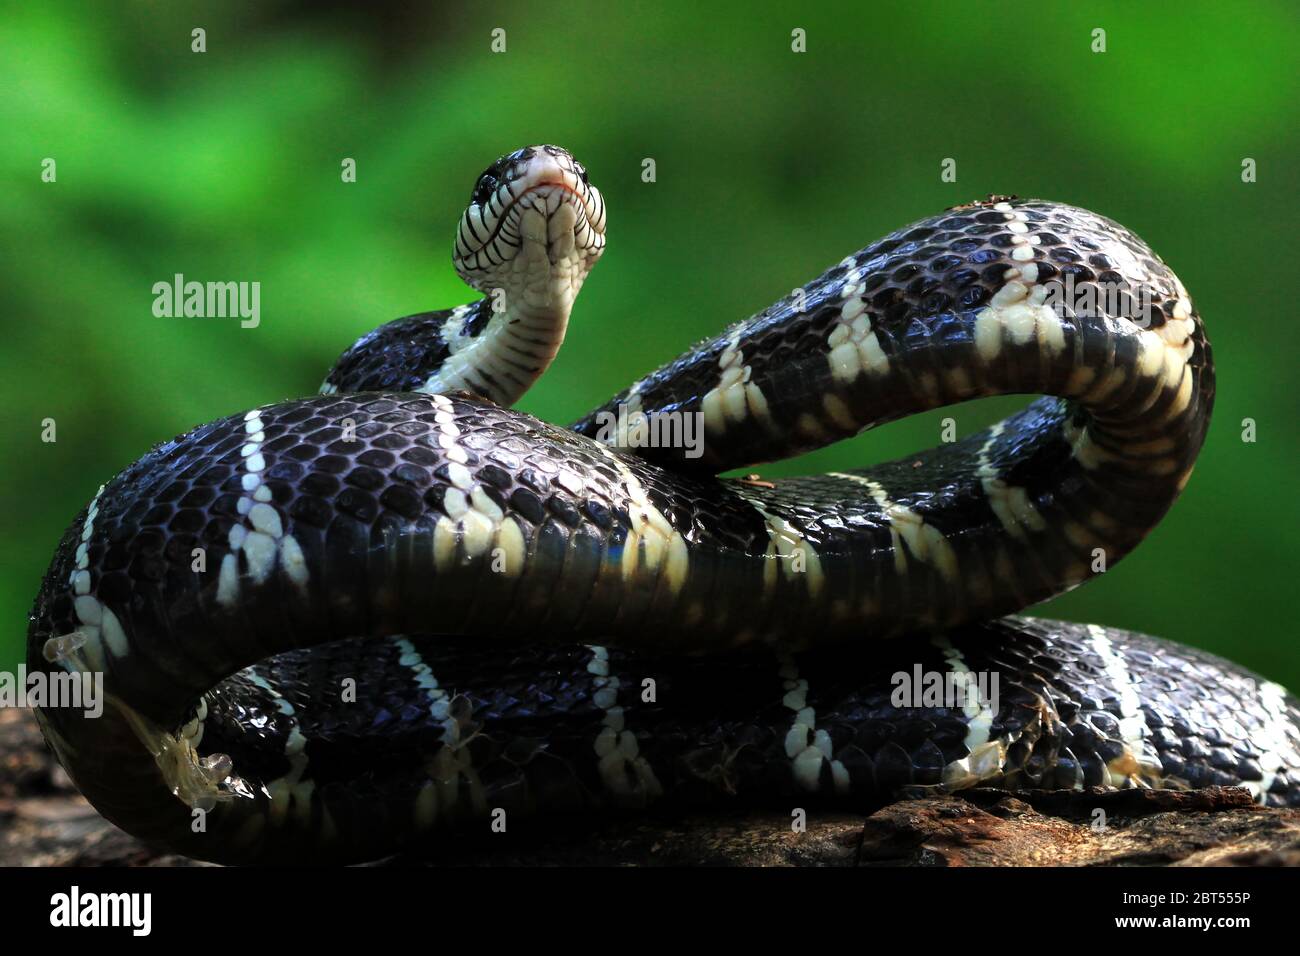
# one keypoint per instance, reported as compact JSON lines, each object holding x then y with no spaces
{"x":499,"y":346}
{"x":495,"y":347}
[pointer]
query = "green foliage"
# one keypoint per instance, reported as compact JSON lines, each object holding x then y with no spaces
{"x":771,"y":165}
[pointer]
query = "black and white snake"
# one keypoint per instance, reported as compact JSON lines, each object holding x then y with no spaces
{"x":331,"y":626}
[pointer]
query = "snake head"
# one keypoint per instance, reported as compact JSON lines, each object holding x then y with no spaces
{"x":534,"y":227}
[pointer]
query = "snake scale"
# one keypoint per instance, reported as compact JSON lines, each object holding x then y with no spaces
{"x":332,"y":627}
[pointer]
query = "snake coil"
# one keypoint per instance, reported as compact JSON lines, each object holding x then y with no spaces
{"x":328,"y":627}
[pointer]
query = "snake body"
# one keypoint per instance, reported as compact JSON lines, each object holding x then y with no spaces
{"x":333,"y":626}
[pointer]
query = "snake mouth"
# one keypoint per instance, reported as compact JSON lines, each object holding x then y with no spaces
{"x":548,"y":197}
{"x":539,"y":195}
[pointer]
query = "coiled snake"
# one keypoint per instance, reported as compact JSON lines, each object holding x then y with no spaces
{"x":331,"y":626}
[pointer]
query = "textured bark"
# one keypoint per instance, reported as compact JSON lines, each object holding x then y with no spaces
{"x":43,"y":821}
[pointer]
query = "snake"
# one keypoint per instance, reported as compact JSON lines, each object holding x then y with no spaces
{"x":336,"y":628}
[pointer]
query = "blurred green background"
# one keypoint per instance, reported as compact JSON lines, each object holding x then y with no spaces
{"x":772,"y":165}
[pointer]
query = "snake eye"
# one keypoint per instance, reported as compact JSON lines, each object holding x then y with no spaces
{"x":486,"y":185}
{"x":582,"y":173}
